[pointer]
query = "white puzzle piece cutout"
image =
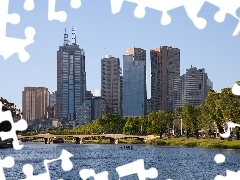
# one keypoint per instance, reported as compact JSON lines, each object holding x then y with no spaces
{"x":66,"y":166}
{"x":20,"y":125}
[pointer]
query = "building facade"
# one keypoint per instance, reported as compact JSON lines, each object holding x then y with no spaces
{"x":84,"y":113}
{"x":209,"y":85}
{"x":35,"y":101}
{"x":177,"y":92}
{"x":149,"y":105}
{"x":52,"y":99}
{"x":110,"y":84}
{"x":96,"y":108}
{"x":71,"y":78}
{"x":195,"y":86}
{"x":52,"y":106}
{"x":165,"y":66}
{"x":89,"y":94}
{"x":134,"y":93}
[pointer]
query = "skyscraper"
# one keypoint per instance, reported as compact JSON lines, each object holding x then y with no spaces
{"x":134,"y":82}
{"x":110,"y":84}
{"x":71,"y":78}
{"x":195,"y":86}
{"x":35,"y":101}
{"x":165,"y":66}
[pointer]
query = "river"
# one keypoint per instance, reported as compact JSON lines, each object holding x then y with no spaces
{"x":171,"y":162}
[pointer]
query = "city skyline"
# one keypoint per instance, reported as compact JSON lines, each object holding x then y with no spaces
{"x":123,"y":89}
{"x":209,"y":48}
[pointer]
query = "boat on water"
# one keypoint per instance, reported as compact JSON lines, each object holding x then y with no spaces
{"x":57,"y":140}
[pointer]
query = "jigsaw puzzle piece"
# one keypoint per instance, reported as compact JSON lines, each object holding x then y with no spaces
{"x":227,"y":7}
{"x":67,"y":165}
{"x":7,"y":162}
{"x":75,"y":4}
{"x":28,"y":171}
{"x":53,"y":15}
{"x":20,"y":125}
{"x":60,"y":15}
{"x":29,"y":5}
{"x":6,"y":18}
{"x":7,"y":49}
{"x":192,"y":9}
{"x":228,"y":133}
{"x":87,"y":173}
{"x":6,"y":43}
{"x":139,"y":12}
{"x":116,"y":6}
{"x":229,"y":175}
{"x":137,"y":167}
{"x":65,"y":156}
{"x":236,"y":89}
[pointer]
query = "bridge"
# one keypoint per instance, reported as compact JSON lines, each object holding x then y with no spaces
{"x":79,"y":139}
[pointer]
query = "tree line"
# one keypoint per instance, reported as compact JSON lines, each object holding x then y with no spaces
{"x":217,"y":109}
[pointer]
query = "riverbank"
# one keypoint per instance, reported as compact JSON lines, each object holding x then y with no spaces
{"x":120,"y":141}
{"x":199,"y":143}
{"x":174,"y":142}
{"x":101,"y":141}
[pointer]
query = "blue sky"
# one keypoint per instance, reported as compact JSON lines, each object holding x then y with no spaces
{"x":213,"y":48}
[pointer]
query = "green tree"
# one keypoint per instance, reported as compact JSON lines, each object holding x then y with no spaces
{"x":214,"y":110}
{"x":197,"y":122}
{"x":189,"y":116}
{"x":131,"y":125}
{"x":230,"y":107}
{"x":151,"y":118}
{"x":111,"y":122}
{"x":161,"y":122}
{"x":177,"y":120}
{"x":143,"y":122}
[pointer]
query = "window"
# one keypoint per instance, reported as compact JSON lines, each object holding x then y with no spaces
{"x":71,"y":58}
{"x":70,"y":77}
{"x":70,"y":81}
{"x":70,"y":86}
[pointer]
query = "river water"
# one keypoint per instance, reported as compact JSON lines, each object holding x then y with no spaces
{"x":171,"y":163}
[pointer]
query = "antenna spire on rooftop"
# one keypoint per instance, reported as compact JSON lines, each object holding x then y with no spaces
{"x":66,"y":37}
{"x":73,"y":36}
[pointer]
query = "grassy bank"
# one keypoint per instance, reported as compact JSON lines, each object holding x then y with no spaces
{"x":120,"y":141}
{"x":200,"y":143}
{"x":179,"y":142}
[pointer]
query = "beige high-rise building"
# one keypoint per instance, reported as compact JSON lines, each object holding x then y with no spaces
{"x":35,"y":101}
{"x":138,"y":53}
{"x":165,"y":67}
{"x":111,"y":84}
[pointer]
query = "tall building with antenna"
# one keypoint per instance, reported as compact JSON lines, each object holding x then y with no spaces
{"x":71,"y":78}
